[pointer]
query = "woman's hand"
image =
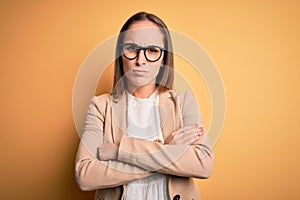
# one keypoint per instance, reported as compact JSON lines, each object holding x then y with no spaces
{"x":108,"y":151}
{"x":186,"y":135}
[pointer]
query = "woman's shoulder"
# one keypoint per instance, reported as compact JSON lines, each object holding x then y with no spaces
{"x":102,"y":99}
{"x":186,"y":95}
{"x":103,"y":96}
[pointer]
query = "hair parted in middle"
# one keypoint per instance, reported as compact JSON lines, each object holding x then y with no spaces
{"x":165,"y":77}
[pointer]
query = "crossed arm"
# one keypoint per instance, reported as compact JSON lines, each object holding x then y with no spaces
{"x":186,"y":152}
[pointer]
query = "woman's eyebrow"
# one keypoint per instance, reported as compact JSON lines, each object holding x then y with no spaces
{"x":151,"y":45}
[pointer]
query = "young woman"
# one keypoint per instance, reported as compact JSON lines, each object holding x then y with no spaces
{"x":143,"y":141}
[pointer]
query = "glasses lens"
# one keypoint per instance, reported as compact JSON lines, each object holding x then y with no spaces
{"x":130,"y":51}
{"x":153,"y":53}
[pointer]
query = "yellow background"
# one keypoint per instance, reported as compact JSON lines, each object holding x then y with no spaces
{"x":255,"y":45}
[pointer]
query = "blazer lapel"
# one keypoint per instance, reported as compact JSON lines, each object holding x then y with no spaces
{"x":119,"y":117}
{"x":167,"y":114}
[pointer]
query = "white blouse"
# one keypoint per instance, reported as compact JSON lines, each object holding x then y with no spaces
{"x":144,"y":122}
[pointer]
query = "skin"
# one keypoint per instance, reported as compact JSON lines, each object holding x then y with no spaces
{"x":140,"y":72}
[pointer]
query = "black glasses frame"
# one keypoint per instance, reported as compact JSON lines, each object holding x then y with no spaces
{"x":139,"y":48}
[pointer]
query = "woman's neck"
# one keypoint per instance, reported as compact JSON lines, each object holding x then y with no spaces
{"x":143,"y":91}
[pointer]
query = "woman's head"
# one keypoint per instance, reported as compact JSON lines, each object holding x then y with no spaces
{"x":144,"y":47}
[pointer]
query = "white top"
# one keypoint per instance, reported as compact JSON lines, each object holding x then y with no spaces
{"x":144,"y":122}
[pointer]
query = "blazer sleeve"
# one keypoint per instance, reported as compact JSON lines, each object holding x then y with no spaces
{"x":90,"y":172}
{"x":195,"y":160}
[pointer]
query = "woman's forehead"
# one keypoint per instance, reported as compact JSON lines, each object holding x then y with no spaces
{"x":144,"y":34}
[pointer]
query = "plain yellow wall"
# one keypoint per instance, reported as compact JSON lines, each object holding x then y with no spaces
{"x":255,"y":45}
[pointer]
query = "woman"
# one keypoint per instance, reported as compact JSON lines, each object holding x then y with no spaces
{"x":144,"y":141}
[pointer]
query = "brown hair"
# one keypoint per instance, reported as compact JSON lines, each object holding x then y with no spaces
{"x":165,"y":77}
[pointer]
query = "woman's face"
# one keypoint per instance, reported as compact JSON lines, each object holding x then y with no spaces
{"x":140,"y":71}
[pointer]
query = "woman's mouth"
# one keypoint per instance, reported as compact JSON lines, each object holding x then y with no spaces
{"x":140,"y":72}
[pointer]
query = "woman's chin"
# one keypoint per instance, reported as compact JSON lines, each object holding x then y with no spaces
{"x":137,"y":82}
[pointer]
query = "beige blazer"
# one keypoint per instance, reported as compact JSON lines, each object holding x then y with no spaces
{"x":137,"y":158}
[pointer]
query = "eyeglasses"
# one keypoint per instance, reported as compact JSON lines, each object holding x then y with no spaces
{"x":131,"y":51}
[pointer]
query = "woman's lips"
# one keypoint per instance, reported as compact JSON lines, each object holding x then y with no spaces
{"x":140,"y":71}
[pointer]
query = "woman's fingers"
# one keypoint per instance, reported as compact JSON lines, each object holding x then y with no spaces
{"x":192,"y":130}
{"x":185,"y":135}
{"x":186,"y":128}
{"x":200,"y":131}
{"x":181,"y":131}
{"x":185,"y":139}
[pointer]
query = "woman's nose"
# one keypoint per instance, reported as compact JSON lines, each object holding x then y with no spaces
{"x":140,"y":59}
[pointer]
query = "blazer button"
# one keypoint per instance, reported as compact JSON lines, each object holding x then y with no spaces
{"x":176,"y":197}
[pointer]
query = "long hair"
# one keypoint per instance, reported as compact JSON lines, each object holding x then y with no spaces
{"x":165,"y":77}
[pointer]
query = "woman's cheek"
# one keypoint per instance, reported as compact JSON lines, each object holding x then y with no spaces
{"x":126,"y":65}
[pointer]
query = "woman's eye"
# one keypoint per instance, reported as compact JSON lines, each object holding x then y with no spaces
{"x":131,"y":48}
{"x":153,"y":50}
